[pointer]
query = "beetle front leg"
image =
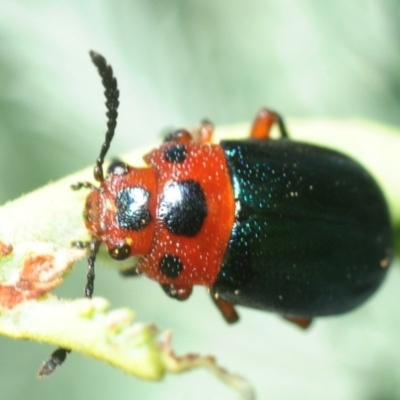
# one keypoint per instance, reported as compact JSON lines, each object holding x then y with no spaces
{"x":130,"y":272}
{"x":263,"y":123}
{"x":85,"y":185}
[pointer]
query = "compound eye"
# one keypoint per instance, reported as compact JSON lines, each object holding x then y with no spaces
{"x":117,"y":167}
{"x":120,"y":252}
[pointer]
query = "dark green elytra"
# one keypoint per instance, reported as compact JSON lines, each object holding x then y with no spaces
{"x":312,"y":234}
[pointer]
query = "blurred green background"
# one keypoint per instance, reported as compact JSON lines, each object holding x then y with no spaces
{"x":176,"y":63}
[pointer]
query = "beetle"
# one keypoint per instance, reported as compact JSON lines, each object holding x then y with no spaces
{"x":271,"y":224}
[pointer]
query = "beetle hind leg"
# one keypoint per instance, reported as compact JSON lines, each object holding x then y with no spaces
{"x":263,"y":123}
{"x":226,"y":309}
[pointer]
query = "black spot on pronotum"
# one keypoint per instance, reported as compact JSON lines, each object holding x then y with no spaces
{"x":171,"y":266}
{"x":183,"y":207}
{"x":132,"y":205}
{"x":175,"y":154}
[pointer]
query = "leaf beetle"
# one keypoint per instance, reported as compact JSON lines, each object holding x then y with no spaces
{"x":271,"y":224}
{"x":276,"y":225}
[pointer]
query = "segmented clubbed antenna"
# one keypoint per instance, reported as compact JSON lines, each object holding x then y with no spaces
{"x":112,"y":102}
{"x":112,"y":95}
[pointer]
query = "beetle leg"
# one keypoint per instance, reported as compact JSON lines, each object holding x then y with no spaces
{"x":179,"y":136}
{"x":263,"y":123}
{"x":79,"y":244}
{"x":227,"y":309}
{"x":176,"y":292}
{"x":80,"y":185}
{"x":130,"y":272}
{"x":57,"y":358}
{"x":204,"y":133}
{"x":301,"y":322}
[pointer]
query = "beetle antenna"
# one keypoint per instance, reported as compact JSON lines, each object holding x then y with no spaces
{"x":93,"y":250}
{"x":112,"y":95}
{"x":112,"y":102}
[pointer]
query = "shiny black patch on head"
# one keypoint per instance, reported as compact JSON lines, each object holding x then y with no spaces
{"x":176,"y":153}
{"x":117,"y":167}
{"x":183,"y":207}
{"x":132,"y":204}
{"x":171,"y":266}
